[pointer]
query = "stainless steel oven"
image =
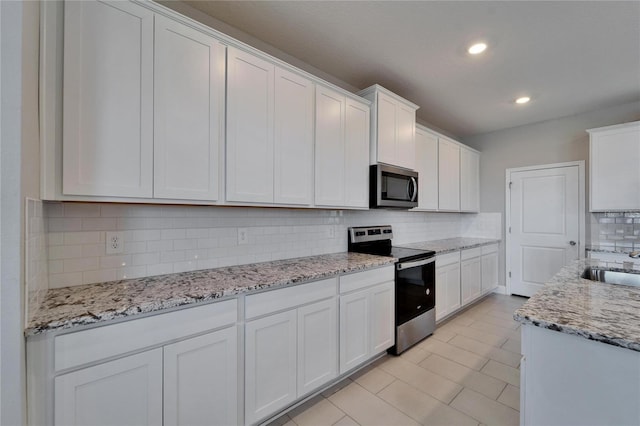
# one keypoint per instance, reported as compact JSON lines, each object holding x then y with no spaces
{"x":415,"y":283}
{"x":393,"y":187}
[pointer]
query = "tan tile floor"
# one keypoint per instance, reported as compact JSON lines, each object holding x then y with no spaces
{"x":467,"y":373}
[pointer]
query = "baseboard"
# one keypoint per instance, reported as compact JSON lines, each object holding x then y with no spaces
{"x":501,"y":289}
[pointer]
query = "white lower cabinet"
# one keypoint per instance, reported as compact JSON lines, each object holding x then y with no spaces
{"x":201,"y":379}
{"x":270,"y":364}
{"x":127,"y":391}
{"x":367,"y":316}
{"x":471,"y":275}
{"x":447,"y":284}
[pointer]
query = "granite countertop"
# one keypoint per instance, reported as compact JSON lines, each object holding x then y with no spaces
{"x":450,"y":244}
{"x":597,"y":248}
{"x":607,"y":313}
{"x":68,"y":307}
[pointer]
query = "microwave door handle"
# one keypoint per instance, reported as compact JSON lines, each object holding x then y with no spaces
{"x":414,"y":193}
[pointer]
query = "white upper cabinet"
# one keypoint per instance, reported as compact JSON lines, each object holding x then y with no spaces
{"x":448,"y":175}
{"x":108,"y":99}
{"x":614,"y":162}
{"x":427,"y":168}
{"x":469,"y":180}
{"x":357,"y":154}
{"x":393,"y":122}
{"x":293,"y":149}
{"x":250,"y":108}
{"x":189,"y":107}
{"x":330,"y":148}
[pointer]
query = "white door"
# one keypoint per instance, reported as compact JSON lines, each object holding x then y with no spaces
{"x":127,"y":391}
{"x":448,"y":175}
{"x":405,"y":131}
{"x":293,"y":144}
{"x":250,"y":105}
{"x":189,"y":106}
{"x":330,"y":149}
{"x":470,"y":278}
{"x":317,"y":345}
{"x":201,"y":379}
{"x":427,"y":168}
{"x":357,"y":154}
{"x":354,"y":329}
{"x":108,"y":99}
{"x":382,"y":317}
{"x":270,"y":365}
{"x":544,"y":220}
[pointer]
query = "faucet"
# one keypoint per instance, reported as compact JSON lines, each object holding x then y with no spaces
{"x":635,"y":254}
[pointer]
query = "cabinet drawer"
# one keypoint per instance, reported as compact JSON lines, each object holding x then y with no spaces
{"x":366,"y":279}
{"x":447,"y":259}
{"x":471,"y":253}
{"x":493,"y":248}
{"x":92,"y":345}
{"x":289,"y":297}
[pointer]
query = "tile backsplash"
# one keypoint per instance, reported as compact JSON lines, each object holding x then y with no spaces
{"x":168,"y":239}
{"x":616,"y":231}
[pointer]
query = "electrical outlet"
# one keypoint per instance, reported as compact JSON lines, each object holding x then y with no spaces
{"x":115,"y":242}
{"x":243,"y":236}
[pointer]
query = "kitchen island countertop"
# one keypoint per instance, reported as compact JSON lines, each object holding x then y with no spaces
{"x":68,"y":307}
{"x":607,"y":313}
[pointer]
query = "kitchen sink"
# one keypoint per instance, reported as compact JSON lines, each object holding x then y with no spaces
{"x":612,"y":277}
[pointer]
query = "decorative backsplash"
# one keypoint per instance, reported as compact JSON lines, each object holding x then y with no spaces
{"x":169,"y":239}
{"x":615,"y":231}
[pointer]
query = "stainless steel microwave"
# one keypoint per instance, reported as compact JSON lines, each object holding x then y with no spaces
{"x":392,"y":187}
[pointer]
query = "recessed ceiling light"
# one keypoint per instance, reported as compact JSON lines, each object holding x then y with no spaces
{"x":523,"y":100}
{"x":477,"y":48}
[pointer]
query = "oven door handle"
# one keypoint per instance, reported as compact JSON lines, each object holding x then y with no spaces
{"x":407,"y":265}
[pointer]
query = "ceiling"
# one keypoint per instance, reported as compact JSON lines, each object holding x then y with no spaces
{"x":569,"y":57}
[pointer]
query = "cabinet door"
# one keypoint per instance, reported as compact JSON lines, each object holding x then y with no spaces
{"x":615,"y":175}
{"x":250,"y":105}
{"x":453,"y":287}
{"x":382,"y":305}
{"x":386,"y":129}
{"x":448,"y":175}
{"x":489,"y":272}
{"x":441,"y":293}
{"x":293,"y":145}
{"x":471,"y":278}
{"x":127,"y":391}
{"x":405,"y":130}
{"x":270,"y":365}
{"x":354,"y":329}
{"x":427,"y":168}
{"x":469,"y":180}
{"x":189,"y":106}
{"x":330,"y":149}
{"x":107,"y":99}
{"x":357,"y":154}
{"x":201,"y":379}
{"x":317,"y":345}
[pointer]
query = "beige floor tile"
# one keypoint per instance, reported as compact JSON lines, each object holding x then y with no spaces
{"x":512,"y":345}
{"x":507,"y":323}
{"x":443,"y":335}
{"x":432,"y":384}
{"x":422,"y":407}
{"x":346,"y":421}
{"x":511,"y":396}
{"x":335,"y":388}
{"x":491,"y":328}
{"x":484,"y":409}
{"x":499,"y":315}
{"x":320,"y":412}
{"x":367,"y":409}
{"x":465,"y":376}
{"x":280,"y":421}
{"x":481,"y":336}
{"x":290,"y":423}
{"x":509,"y":358}
{"x":415,"y":355}
{"x":464,"y":319}
{"x":502,"y":372}
{"x":454,"y":353}
{"x":373,"y":380}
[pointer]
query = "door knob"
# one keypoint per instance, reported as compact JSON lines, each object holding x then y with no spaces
{"x":573,"y":243}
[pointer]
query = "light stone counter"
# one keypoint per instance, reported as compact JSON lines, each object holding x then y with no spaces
{"x":450,"y":244}
{"x":68,"y":307}
{"x":607,"y":313}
